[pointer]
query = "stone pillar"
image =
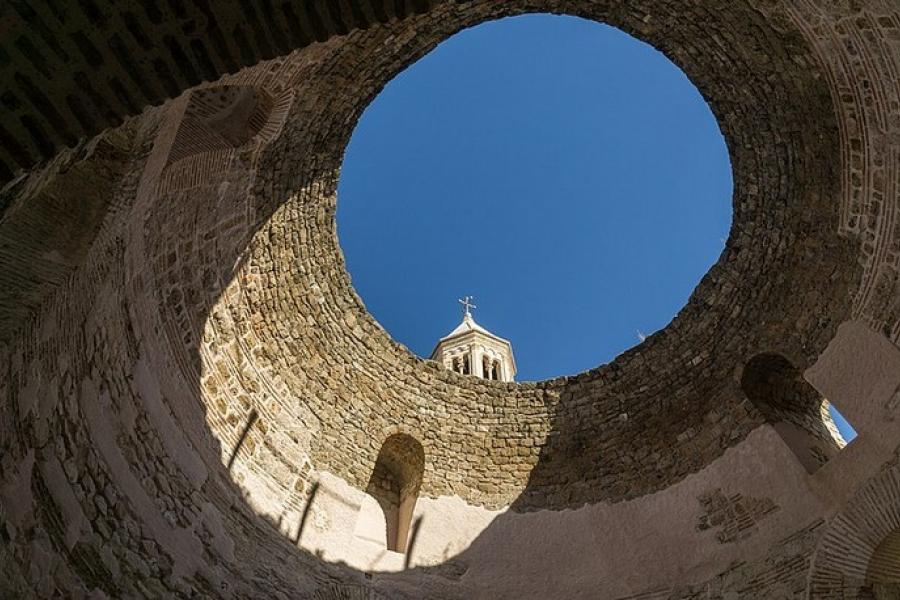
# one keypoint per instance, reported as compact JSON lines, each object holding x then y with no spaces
{"x":477,"y":356}
{"x":505,"y":369}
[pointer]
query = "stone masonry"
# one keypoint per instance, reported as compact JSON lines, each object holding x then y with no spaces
{"x":192,"y":392}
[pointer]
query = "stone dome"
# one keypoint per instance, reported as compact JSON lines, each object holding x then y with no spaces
{"x":196,"y":403}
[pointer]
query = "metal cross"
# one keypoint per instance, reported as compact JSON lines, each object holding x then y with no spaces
{"x":468,"y":305}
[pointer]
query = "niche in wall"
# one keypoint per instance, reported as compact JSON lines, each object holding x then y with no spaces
{"x":793,"y":408}
{"x":394,"y":484}
{"x":883,"y":572}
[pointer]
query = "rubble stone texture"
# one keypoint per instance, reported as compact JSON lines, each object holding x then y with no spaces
{"x":194,"y":398}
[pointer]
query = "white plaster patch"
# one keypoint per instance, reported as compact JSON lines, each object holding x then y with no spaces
{"x":16,"y":496}
{"x":28,"y":396}
{"x":221,"y":541}
{"x":356,"y":533}
{"x":177,"y":447}
{"x":56,"y":481}
{"x":40,"y":569}
{"x":181,"y":544}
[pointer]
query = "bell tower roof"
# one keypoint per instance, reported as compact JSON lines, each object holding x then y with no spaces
{"x":468,"y":324}
{"x":471,"y":349}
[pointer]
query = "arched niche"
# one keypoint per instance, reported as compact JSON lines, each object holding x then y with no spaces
{"x":859,"y":554}
{"x":219,"y":118}
{"x":394,"y":484}
{"x":883,"y":572}
{"x":218,"y":123}
{"x":797,"y":412}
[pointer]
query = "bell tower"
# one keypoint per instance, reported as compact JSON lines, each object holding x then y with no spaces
{"x":470,"y":349}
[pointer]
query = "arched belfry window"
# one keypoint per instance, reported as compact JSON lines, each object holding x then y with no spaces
{"x":395,"y":483}
{"x":797,"y":412}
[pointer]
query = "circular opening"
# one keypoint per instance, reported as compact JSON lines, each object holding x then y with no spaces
{"x":567,"y":175}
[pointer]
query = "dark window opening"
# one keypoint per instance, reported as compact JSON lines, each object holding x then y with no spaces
{"x":797,"y":412}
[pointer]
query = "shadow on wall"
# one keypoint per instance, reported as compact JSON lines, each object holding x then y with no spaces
{"x":251,"y":420}
{"x":192,"y":287}
{"x":560,"y":479}
{"x":793,"y":408}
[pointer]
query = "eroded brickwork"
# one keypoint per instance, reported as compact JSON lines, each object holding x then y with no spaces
{"x":734,"y":517}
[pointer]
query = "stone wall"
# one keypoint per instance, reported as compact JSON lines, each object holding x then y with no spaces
{"x":175,"y":396}
{"x":72,"y":71}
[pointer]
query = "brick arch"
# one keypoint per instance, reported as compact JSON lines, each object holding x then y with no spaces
{"x":221,"y":117}
{"x":214,"y":124}
{"x":858,"y":550}
{"x":73,"y":73}
{"x":395,"y":481}
{"x":793,"y":407}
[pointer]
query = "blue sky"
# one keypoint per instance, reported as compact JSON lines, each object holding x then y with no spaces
{"x":846,"y":429}
{"x":568,"y":176}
